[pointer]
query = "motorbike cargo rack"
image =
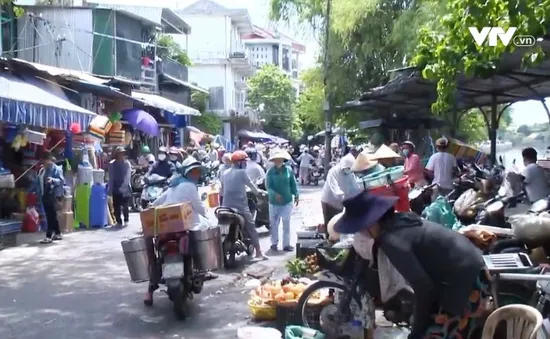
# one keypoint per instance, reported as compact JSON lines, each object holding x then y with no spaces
{"x":511,"y":267}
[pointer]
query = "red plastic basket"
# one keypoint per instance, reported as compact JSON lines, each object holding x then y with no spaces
{"x":399,"y":188}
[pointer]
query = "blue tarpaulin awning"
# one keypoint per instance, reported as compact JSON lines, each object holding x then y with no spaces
{"x":28,"y":104}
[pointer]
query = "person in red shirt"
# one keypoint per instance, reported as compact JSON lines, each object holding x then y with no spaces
{"x":413,"y":166}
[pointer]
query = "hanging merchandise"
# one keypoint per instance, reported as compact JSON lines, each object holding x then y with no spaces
{"x":128,"y":138}
{"x":117,"y":126}
{"x":116,"y":138}
{"x":99,"y":127}
{"x":75,"y":128}
{"x":7,"y":181}
{"x":10,"y":133}
{"x":115,"y":117}
{"x":34,"y":137}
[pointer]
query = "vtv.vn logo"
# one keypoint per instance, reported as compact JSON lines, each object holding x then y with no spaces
{"x":493,"y":34}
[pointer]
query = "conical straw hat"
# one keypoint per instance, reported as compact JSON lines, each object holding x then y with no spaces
{"x":364,"y":162}
{"x":385,"y":152}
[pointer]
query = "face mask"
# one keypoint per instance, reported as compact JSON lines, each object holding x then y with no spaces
{"x":363,"y":245}
{"x":173,"y":158}
{"x":162,"y":157}
{"x":405,"y":152}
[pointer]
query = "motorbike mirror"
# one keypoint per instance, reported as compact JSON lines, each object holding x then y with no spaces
{"x":500,"y":159}
{"x":514,"y":162}
{"x":204,"y":196}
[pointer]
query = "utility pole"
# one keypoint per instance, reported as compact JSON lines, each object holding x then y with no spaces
{"x":326,"y":106}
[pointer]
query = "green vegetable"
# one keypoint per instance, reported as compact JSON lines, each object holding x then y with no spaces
{"x":296,"y":267}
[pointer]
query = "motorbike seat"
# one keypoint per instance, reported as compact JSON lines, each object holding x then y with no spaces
{"x":229,"y":215}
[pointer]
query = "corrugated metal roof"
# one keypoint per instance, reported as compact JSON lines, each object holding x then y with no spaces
{"x":56,"y":71}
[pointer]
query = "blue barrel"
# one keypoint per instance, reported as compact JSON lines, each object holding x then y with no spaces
{"x":98,"y":206}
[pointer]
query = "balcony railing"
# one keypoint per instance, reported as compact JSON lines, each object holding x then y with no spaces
{"x":173,"y":69}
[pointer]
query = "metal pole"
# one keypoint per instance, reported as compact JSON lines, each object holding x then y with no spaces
{"x":327,"y":108}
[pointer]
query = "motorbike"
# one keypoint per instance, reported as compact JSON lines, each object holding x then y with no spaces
{"x":179,"y":276}
{"x":211,"y":170}
{"x":259,"y":205}
{"x":355,"y":279}
{"x":153,"y":186}
{"x":543,"y":304}
{"x":136,"y":182}
{"x":235,"y":240}
{"x":315,"y":174}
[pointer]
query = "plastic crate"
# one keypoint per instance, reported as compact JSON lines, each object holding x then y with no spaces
{"x":10,"y":226}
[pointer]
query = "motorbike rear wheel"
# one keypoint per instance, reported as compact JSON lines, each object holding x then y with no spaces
{"x":229,"y":261}
{"x":316,"y":286}
{"x":178,"y":297}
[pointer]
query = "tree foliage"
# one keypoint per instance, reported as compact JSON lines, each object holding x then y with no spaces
{"x":450,"y":50}
{"x":272,"y":95}
{"x":167,"y":47}
{"x":311,"y":100}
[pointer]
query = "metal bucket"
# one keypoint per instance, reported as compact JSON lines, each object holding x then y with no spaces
{"x":135,"y":253}
{"x":206,"y":247}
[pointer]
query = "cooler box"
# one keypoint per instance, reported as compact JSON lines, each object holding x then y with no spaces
{"x":98,"y":202}
{"x":400,"y":188}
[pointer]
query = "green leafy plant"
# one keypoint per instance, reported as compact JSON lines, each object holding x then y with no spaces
{"x":445,"y":53}
{"x":296,"y":268}
{"x":167,"y":47}
{"x":208,"y":122}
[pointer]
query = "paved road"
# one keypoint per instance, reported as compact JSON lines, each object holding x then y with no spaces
{"x":79,"y":288}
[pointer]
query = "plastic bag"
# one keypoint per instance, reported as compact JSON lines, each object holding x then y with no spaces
{"x":466,"y":201}
{"x":531,"y":228}
{"x":31,"y":220}
{"x":441,"y":212}
{"x":297,"y":332}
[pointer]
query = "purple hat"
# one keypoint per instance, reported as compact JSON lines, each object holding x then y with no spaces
{"x":362,"y":211}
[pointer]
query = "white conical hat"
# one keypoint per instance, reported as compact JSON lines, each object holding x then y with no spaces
{"x":385,"y":152}
{"x":364,"y":162}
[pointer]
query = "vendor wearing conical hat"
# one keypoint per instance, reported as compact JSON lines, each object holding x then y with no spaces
{"x":386,"y":156}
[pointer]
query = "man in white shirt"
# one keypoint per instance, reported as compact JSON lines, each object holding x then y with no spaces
{"x":339,"y":185}
{"x":254,"y":171}
{"x":442,"y":165}
{"x":305,"y":160}
{"x":534,"y":178}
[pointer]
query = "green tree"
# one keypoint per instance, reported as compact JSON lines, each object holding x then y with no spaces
{"x":310,"y":102}
{"x":272,"y":93}
{"x":450,"y":50}
{"x":367,"y":39}
{"x":208,"y":122}
{"x":167,"y":47}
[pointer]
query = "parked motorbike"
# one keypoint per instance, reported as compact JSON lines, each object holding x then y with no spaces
{"x":234,"y":238}
{"x":179,"y":275}
{"x":259,"y":205}
{"x":137,"y":187}
{"x":355,"y":279}
{"x":153,"y":186}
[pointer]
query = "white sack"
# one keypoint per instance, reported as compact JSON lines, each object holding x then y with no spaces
{"x":531,"y":227}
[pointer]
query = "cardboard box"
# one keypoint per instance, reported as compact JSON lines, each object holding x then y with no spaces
{"x":169,"y":219}
{"x":66,"y":221}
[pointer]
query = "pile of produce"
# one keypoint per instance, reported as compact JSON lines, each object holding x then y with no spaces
{"x":303,"y":267}
{"x":271,"y":293}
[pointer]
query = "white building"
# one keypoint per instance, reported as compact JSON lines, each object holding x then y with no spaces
{"x":268,"y":47}
{"x":220,"y":60}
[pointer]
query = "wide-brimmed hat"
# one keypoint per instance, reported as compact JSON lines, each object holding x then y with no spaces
{"x":190,"y":163}
{"x":120,"y":149}
{"x":332,"y":234}
{"x":385,"y":152}
{"x":279,"y":154}
{"x":363,"y":211}
{"x":363,"y":162}
{"x":410,"y":143}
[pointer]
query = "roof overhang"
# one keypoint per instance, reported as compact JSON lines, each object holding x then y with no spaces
{"x":173,"y":23}
{"x":242,"y":20}
{"x":168,"y":79}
